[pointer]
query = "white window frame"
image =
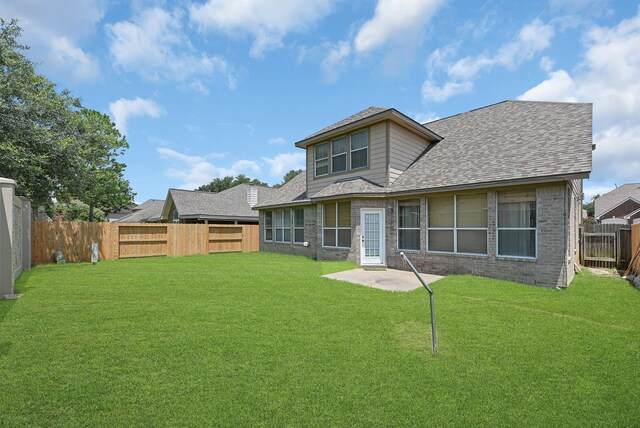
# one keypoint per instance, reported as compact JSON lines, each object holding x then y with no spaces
{"x":266,"y":228}
{"x":351,"y":151}
{"x":455,"y":230}
{"x":498,"y":229}
{"x":316,"y":160}
{"x":336,"y":228}
{"x":294,"y":227}
{"x":419,"y":228}
{"x":278,"y":225}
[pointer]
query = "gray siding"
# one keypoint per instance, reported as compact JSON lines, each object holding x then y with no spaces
{"x":404,"y":149}
{"x":376,"y":171}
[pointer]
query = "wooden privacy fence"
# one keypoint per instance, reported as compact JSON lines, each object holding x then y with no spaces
{"x":635,"y":249}
{"x":605,"y":245}
{"x":127,"y":240}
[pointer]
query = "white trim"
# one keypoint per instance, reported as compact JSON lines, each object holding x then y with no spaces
{"x":381,"y":260}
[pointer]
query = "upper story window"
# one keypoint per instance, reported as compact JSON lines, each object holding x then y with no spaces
{"x":322,"y":159}
{"x":342,"y":153}
{"x":517,"y":224}
{"x":339,"y":155}
{"x":359,"y":149}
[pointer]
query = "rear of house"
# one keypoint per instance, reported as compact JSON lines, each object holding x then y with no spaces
{"x":493,"y":192}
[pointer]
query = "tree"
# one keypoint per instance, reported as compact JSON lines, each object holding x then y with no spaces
{"x":289,"y":176}
{"x":49,"y":144}
{"x":75,"y":210}
{"x":591,"y":206}
{"x":36,"y":148}
{"x":100,"y":181}
{"x":224,"y":183}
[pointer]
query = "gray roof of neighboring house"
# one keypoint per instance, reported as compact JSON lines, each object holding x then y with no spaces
{"x":610,"y":200}
{"x":147,"y":211}
{"x":350,"y":186}
{"x":230,"y":203}
{"x":504,"y":142}
{"x":293,"y":192}
{"x":370,"y":111}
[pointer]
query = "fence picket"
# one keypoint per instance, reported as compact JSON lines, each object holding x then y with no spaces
{"x":127,"y":240}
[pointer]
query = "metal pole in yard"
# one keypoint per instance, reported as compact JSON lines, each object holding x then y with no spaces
{"x":434,"y":340}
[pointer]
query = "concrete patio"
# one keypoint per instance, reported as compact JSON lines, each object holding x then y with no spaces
{"x":388,"y":279}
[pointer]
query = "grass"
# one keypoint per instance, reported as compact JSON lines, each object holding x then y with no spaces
{"x":262,"y":339}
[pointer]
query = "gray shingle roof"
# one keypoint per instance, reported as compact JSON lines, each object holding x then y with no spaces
{"x":606,"y":202}
{"x":229,"y":203}
{"x":370,"y":111}
{"x":147,"y":211}
{"x":352,"y":186}
{"x":511,"y":140}
{"x":294,"y":192}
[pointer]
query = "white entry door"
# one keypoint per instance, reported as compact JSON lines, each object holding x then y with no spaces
{"x":372,"y":236}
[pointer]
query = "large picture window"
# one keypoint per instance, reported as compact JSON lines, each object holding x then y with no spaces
{"x":336,"y":225}
{"x":360,"y":149}
{"x":339,"y":155}
{"x":268,"y":226}
{"x":458,"y":224}
{"x":409,"y":225}
{"x":517,"y":224}
{"x":321,"y":153}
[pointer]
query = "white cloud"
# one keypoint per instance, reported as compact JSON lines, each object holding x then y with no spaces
{"x":608,"y":77}
{"x":426,"y":117}
{"x":155,"y":46}
{"x":433,"y":92}
{"x":396,"y":20}
{"x":285,"y":162}
{"x":194,"y":171}
{"x":268,"y":21}
{"x":122,"y":109}
{"x":333,"y":62}
{"x":66,"y":55}
{"x":55,"y":31}
{"x":277,"y":140}
{"x":532,"y":39}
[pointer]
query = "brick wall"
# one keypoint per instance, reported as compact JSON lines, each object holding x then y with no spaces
{"x":558,"y":214}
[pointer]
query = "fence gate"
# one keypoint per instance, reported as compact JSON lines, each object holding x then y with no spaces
{"x":604,"y":245}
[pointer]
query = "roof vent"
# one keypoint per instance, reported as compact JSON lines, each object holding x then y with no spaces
{"x":252,"y":196}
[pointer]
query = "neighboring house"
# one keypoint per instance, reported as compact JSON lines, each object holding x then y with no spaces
{"x":493,"y":192}
{"x":121,"y":213}
{"x":231,"y":206}
{"x":147,"y":212}
{"x":619,"y":206}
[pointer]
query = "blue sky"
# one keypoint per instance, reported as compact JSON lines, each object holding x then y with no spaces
{"x":223,"y":87}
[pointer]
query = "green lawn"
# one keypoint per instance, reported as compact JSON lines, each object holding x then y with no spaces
{"x":262,"y":339}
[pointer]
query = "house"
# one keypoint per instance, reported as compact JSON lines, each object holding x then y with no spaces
{"x":116,"y":215}
{"x":146,"y":212}
{"x":493,"y":192}
{"x":231,"y":206}
{"x":621,"y":205}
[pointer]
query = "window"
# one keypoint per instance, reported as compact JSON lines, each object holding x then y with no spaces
{"x":279,"y":225}
{"x":268,"y":226}
{"x":517,"y":224}
{"x":287,"y":225}
{"x":339,"y":155}
{"x":336,"y":225}
{"x":409,"y":225}
{"x":359,"y":149}
{"x":458,"y":224}
{"x":298,"y":225}
{"x":322,"y":159}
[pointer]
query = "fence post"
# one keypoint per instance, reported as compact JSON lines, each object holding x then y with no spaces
{"x":7,"y":189}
